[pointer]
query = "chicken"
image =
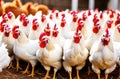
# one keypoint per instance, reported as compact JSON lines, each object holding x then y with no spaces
{"x":30,"y":8}
{"x":4,"y":57}
{"x":42,"y":8}
{"x":55,"y":36}
{"x":73,"y":23}
{"x":1,"y":7}
{"x":102,"y":55}
{"x":74,"y":54}
{"x":116,"y":33}
{"x":116,"y":43}
{"x":15,"y":7}
{"x":24,"y":23}
{"x":24,"y":49}
{"x":116,"y":46}
{"x":9,"y":41}
{"x":65,"y":31}
{"x":9,"y":19}
{"x":95,"y":35}
{"x":49,"y":54}
{"x":35,"y":30}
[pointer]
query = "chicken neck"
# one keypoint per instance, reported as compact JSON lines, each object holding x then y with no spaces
{"x":50,"y":45}
{"x":22,"y":38}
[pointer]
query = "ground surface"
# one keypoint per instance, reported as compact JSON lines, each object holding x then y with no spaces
{"x":62,"y":74}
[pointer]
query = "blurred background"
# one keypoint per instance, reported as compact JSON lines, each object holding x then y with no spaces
{"x":77,"y":4}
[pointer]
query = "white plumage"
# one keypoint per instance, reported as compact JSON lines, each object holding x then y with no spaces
{"x":25,"y":49}
{"x":102,"y":56}
{"x":4,"y":57}
{"x":50,"y":56}
{"x":74,"y":54}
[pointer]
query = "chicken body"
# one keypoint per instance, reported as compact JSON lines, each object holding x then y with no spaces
{"x":74,"y":55}
{"x":4,"y":57}
{"x":50,"y":56}
{"x":25,"y":49}
{"x":103,"y":57}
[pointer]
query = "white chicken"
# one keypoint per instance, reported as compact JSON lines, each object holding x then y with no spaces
{"x":24,"y":23}
{"x":8,"y":39}
{"x":11,"y":19}
{"x":35,"y":30}
{"x":116,"y":43}
{"x":102,"y":55}
{"x":55,"y":36}
{"x":94,"y":35}
{"x":4,"y":57}
{"x":116,"y":33}
{"x":74,"y":54}
{"x":49,"y":54}
{"x":65,"y":31}
{"x":24,"y":49}
{"x":117,"y":52}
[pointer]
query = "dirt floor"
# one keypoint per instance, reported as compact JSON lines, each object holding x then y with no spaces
{"x":61,"y":74}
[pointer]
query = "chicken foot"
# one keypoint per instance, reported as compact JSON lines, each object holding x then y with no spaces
{"x":26,"y":70}
{"x":11,"y":65}
{"x":32,"y":73}
{"x":18,"y":66}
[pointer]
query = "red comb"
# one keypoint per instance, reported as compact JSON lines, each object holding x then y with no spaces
{"x":80,"y":25}
{"x":15,"y":27}
{"x":55,"y":27}
{"x":43,"y":18}
{"x":48,"y":27}
{"x":3,"y":15}
{"x":34,"y":20}
{"x":75,"y":17}
{"x":101,"y":14}
{"x":107,"y":32}
{"x":109,"y":23}
{"x":53,"y":10}
{"x":42,"y":35}
{"x":63,"y":22}
{"x":84,"y":17}
{"x":56,"y":14}
{"x":89,"y":13}
{"x":51,"y":16}
{"x":63,"y":15}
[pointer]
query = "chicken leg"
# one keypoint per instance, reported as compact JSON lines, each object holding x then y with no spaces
{"x":106,"y":76}
{"x":70,"y":75}
{"x":54,"y":74}
{"x":47,"y":75}
{"x":32,"y":73}
{"x":18,"y":66}
{"x":98,"y":74}
{"x":26,"y":70}
{"x":78,"y":77}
